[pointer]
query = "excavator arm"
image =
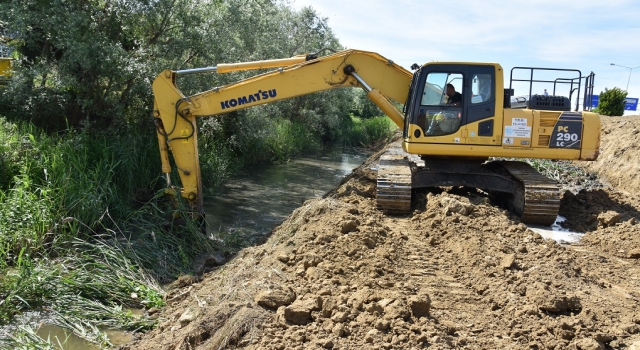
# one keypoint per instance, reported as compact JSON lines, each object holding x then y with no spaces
{"x":176,"y":114}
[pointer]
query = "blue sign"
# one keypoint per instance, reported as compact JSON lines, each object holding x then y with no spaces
{"x":594,"y":101}
{"x":631,"y":104}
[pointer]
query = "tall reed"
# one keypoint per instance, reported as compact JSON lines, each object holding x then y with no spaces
{"x":84,"y":228}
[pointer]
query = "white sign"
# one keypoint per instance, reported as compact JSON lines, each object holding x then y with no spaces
{"x":519,"y":122}
{"x":517,"y":131}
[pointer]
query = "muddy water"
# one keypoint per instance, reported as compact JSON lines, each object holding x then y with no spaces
{"x":71,"y":341}
{"x":60,"y":337}
{"x":254,"y":204}
{"x":66,"y":340}
{"x":557,"y":232}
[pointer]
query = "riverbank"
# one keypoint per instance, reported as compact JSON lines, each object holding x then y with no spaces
{"x":85,"y":230}
{"x":458,"y":272}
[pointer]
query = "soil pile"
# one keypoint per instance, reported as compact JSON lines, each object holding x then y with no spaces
{"x":457,"y":273}
{"x":618,"y":163}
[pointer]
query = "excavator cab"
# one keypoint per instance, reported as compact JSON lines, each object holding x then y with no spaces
{"x":451,"y":144}
{"x":430,"y":118}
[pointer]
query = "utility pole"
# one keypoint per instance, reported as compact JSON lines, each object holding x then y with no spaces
{"x":630,"y":70}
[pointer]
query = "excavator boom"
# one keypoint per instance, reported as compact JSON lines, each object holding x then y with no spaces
{"x":176,"y":114}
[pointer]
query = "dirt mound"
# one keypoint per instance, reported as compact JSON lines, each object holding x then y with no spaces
{"x":620,"y":146}
{"x":457,"y":273}
{"x":589,"y":210}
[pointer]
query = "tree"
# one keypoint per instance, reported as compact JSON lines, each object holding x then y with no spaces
{"x":90,"y":60}
{"x":94,"y":60}
{"x":611,"y":102}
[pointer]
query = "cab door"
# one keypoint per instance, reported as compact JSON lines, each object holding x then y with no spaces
{"x":432,"y":116}
{"x":480,"y":106}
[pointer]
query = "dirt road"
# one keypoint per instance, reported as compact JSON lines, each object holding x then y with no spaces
{"x":458,"y":273}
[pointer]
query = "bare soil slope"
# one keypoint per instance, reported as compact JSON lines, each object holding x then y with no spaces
{"x":457,"y":273}
{"x":619,"y":162}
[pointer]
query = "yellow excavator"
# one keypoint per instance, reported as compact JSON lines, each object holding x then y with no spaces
{"x":5,"y":70}
{"x":5,"y":62}
{"x":456,"y":117}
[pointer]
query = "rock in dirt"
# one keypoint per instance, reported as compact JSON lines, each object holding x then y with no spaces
{"x":453,"y":205}
{"x":371,"y":335}
{"x":188,"y":316}
{"x":183,"y":281}
{"x":283,"y":258}
{"x":398,"y":309}
{"x":557,"y":303}
{"x":634,"y":253}
{"x":589,"y":344}
{"x":508,"y":261}
{"x":450,"y":327}
{"x":339,"y":330}
{"x":207,"y":262}
{"x":300,"y":311}
{"x":311,"y":260}
{"x":630,"y":328}
{"x":608,"y":218}
{"x":349,"y":226}
{"x":420,"y":305}
{"x":382,"y":325}
{"x":275,"y":298}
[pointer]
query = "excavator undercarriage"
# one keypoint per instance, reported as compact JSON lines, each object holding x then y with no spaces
{"x":532,"y":196}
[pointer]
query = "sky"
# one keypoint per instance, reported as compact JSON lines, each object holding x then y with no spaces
{"x":586,"y":35}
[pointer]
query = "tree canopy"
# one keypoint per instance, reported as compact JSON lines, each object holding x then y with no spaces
{"x":93,"y":61}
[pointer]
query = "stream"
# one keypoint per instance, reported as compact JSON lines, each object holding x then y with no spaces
{"x":254,"y":204}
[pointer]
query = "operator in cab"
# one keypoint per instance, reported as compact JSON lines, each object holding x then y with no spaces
{"x":453,"y":97}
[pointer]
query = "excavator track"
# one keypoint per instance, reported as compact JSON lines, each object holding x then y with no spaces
{"x":538,"y":200}
{"x":393,"y":192}
{"x":532,"y":196}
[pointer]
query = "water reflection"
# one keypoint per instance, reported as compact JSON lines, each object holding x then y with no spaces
{"x":262,"y":199}
{"x":557,"y":232}
{"x":65,"y":339}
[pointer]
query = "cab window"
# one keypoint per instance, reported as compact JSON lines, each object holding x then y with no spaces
{"x":481,"y":87}
{"x":435,"y":88}
{"x":441,"y":104}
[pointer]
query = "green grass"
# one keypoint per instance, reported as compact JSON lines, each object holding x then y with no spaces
{"x":85,"y":230}
{"x":289,"y":139}
{"x":365,"y":132}
{"x":75,"y":237}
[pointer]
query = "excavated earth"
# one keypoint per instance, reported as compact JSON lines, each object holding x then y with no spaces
{"x":459,"y":272}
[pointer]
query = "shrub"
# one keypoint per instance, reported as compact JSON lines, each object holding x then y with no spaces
{"x":365,"y":132}
{"x":611,"y":102}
